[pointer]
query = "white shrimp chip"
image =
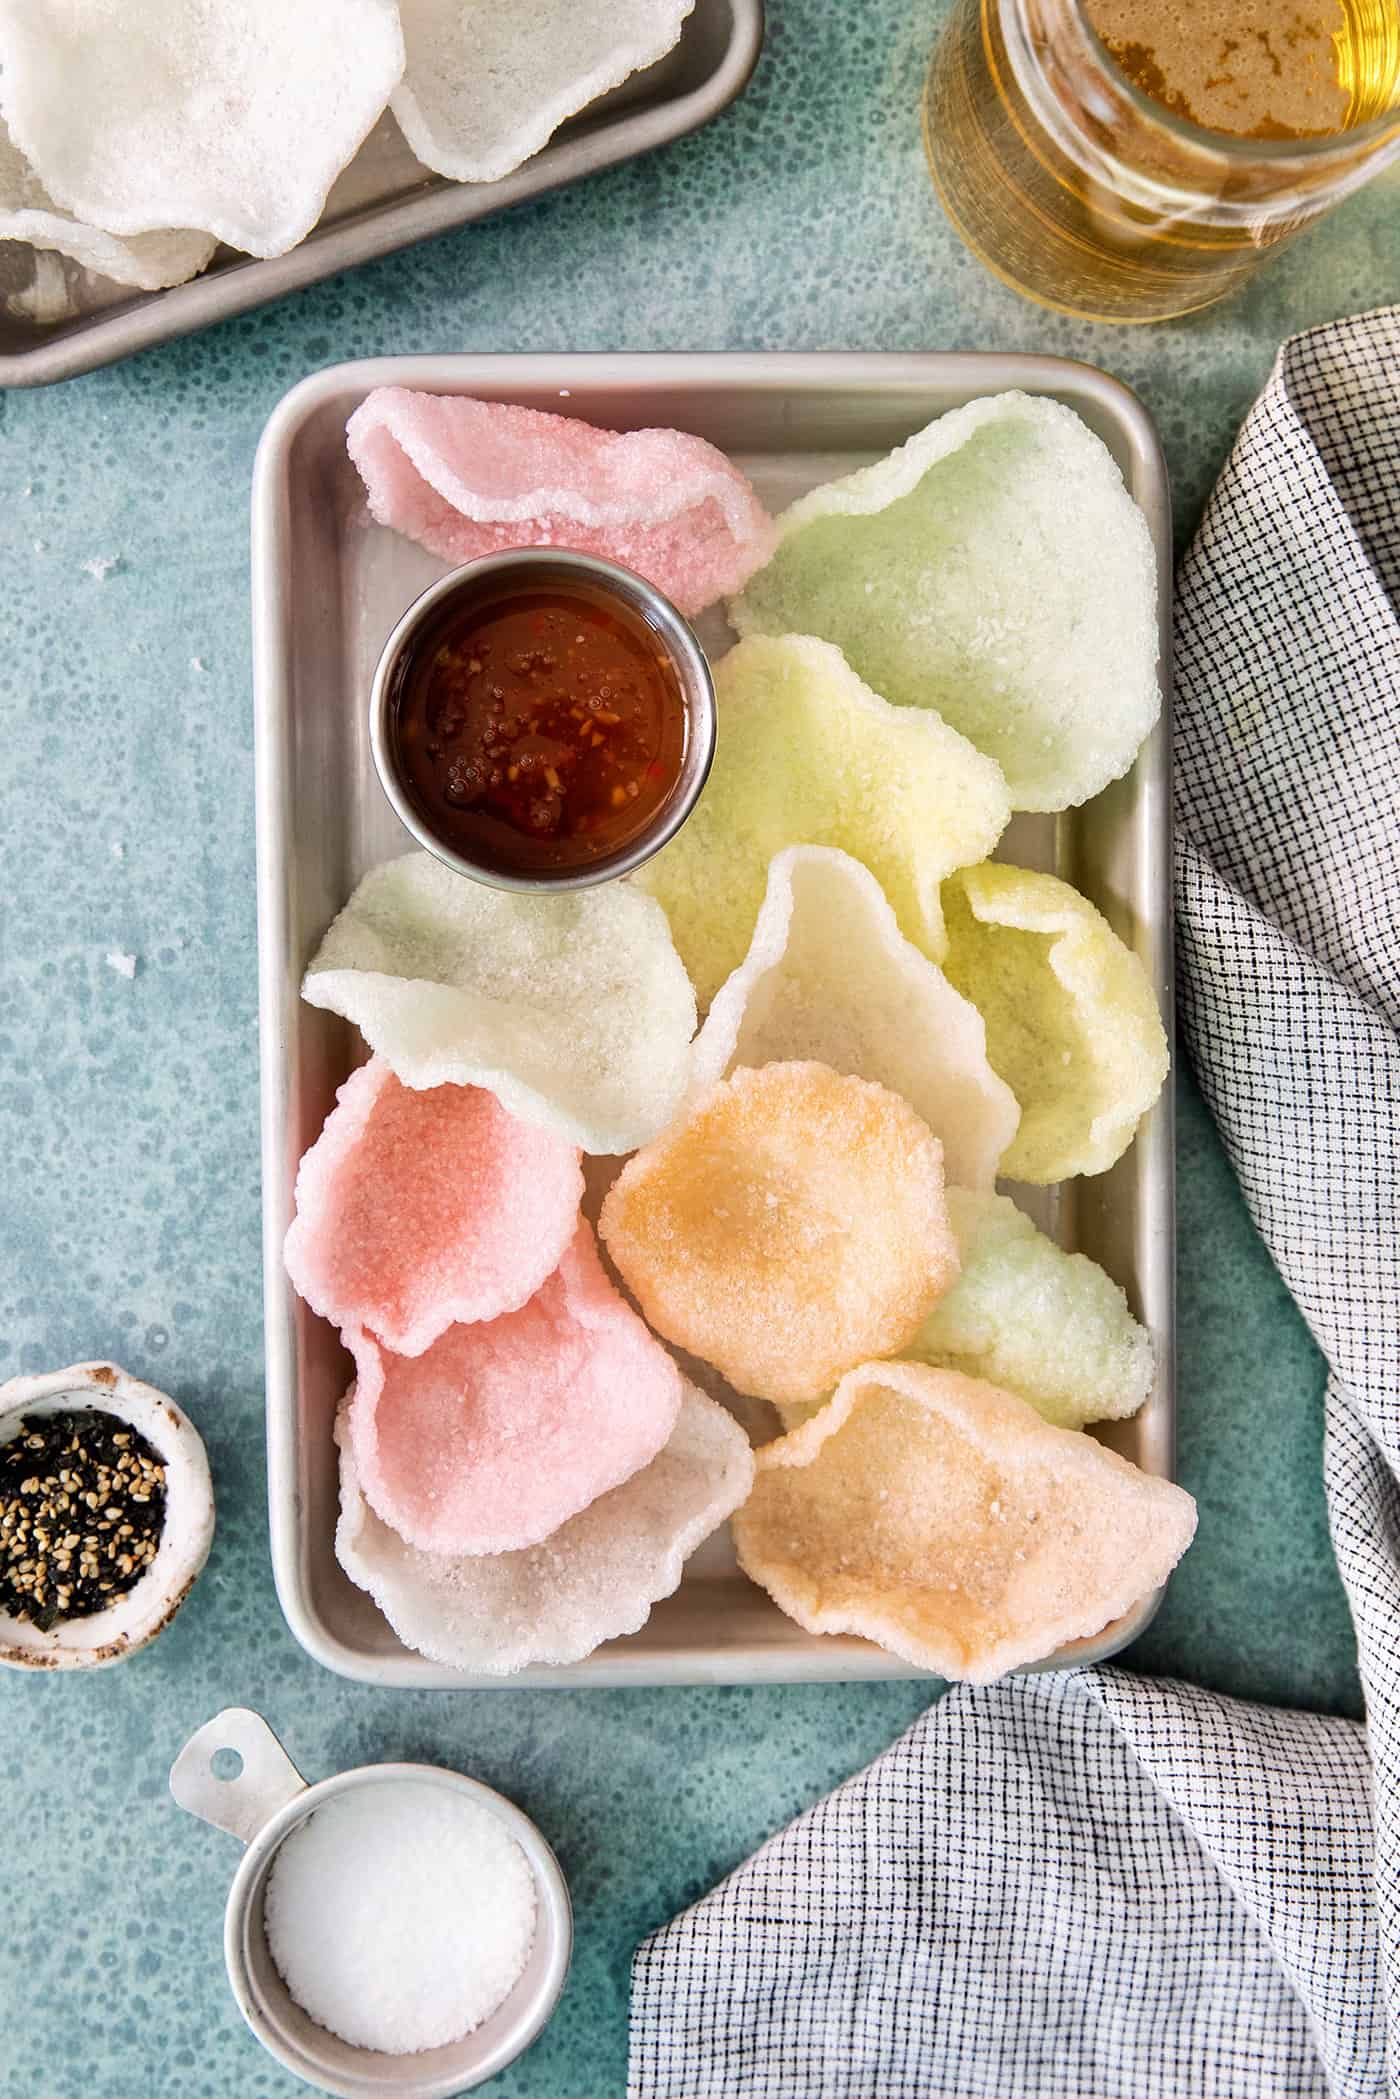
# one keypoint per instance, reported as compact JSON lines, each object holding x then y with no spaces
{"x":233,"y":116}
{"x":1072,"y":1020}
{"x":830,"y":977}
{"x":596,"y":1578}
{"x":808,"y":755}
{"x":466,"y":477}
{"x":946,"y":1521}
{"x":996,"y":569}
{"x":791,"y":1225}
{"x":1048,"y":1325}
{"x":486,"y":85}
{"x":148,"y":262}
{"x":573,"y":1008}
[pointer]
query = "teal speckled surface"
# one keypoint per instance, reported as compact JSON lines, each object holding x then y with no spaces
{"x":128,"y":1109}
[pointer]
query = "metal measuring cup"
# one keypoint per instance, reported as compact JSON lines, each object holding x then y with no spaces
{"x":261,"y":1806}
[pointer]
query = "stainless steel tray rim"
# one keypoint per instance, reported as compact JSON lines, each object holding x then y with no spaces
{"x":587,"y":146}
{"x":841,"y":375}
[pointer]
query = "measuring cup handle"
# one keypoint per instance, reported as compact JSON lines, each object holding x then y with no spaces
{"x":267,"y":1781}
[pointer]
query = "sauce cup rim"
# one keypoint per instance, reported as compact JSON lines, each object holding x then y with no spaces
{"x":693,"y":675}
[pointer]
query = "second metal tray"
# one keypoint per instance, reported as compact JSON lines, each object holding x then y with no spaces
{"x":57,"y":319}
{"x":328,"y":586}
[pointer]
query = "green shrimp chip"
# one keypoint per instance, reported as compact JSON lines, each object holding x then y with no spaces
{"x":996,"y":569}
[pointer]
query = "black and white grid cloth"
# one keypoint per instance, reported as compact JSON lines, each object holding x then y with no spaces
{"x":1091,"y":1884}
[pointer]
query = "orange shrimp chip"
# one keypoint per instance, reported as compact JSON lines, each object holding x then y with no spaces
{"x":791,"y":1226}
{"x":947,"y":1521}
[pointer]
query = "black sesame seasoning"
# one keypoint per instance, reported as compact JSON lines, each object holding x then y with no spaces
{"x":82,"y":1508}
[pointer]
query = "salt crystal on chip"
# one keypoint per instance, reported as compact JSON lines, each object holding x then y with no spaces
{"x":1024,"y":1314}
{"x":485,"y":86}
{"x":466,"y":477}
{"x":945,"y":1520}
{"x":1072,"y":1019}
{"x":574,"y":1009}
{"x":808,"y":755}
{"x":147,"y":261}
{"x":503,"y":1430}
{"x":830,"y":977}
{"x":594,"y":1579}
{"x":232,"y":116}
{"x":791,"y":1225}
{"x":994,"y":568}
{"x":418,"y":1210}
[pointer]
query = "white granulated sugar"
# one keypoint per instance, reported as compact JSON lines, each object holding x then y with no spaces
{"x":123,"y":964}
{"x":198,"y":664}
{"x":400,"y":1916}
{"x":41,"y":546}
{"x":100,"y":568}
{"x":118,"y":849}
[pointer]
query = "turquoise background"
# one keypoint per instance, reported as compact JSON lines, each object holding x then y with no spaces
{"x":803,"y":219}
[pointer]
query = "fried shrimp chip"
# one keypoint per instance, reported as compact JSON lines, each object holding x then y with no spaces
{"x":466,"y":477}
{"x":1072,"y":1021}
{"x":503,"y":1430}
{"x":485,"y":86}
{"x":594,"y":1579}
{"x":994,"y":568}
{"x":945,"y":1520}
{"x":830,"y":977}
{"x":416,"y":1211}
{"x":1048,"y":1325}
{"x":808,"y":755}
{"x":147,"y":261}
{"x":574,"y":1009}
{"x":232,"y":116}
{"x":792,"y":1224}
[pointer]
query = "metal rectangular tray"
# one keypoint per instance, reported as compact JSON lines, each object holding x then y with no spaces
{"x":57,"y":319}
{"x":327,"y":587}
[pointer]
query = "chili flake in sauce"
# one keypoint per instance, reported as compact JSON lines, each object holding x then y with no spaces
{"x":539,"y":728}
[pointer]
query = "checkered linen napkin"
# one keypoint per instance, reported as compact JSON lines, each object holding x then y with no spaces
{"x":1091,"y":1884}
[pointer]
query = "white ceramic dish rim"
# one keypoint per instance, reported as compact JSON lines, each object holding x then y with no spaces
{"x":134,"y":1620}
{"x":957,"y":374}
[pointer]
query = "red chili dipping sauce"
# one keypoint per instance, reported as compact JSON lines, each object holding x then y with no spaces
{"x":539,"y":728}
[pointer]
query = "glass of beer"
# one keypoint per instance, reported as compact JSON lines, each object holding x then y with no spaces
{"x":1125,"y":160}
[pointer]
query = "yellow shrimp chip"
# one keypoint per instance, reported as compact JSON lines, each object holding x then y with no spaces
{"x":994,"y":568}
{"x":945,"y":1520}
{"x":808,"y":755}
{"x":1072,"y":1020}
{"x":792,"y":1225}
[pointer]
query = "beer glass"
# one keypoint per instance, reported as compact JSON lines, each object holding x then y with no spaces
{"x":1126,"y":160}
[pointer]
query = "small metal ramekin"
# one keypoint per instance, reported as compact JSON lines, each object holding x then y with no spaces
{"x":261,"y":1804}
{"x":539,"y":567}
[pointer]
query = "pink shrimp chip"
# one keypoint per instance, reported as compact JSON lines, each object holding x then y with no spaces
{"x":502,"y":1431}
{"x":467,"y":477}
{"x":416,"y":1210}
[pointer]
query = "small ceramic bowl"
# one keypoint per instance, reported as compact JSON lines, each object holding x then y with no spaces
{"x":261,"y":1804}
{"x":536,"y":568}
{"x":133,"y":1621}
